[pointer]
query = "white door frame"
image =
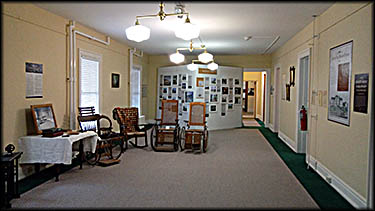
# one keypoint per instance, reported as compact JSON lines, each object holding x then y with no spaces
{"x":302,"y":147}
{"x":276,"y":98}
{"x":268,"y":83}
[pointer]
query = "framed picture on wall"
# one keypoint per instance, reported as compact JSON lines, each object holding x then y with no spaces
{"x":213,"y":108}
{"x":213,"y":98}
{"x":189,"y":96}
{"x":236,"y":82}
{"x":237,"y":90}
{"x":115,"y":80}
{"x":213,"y":80}
{"x":340,"y":71}
{"x":224,"y":81}
{"x":175,"y":80}
{"x":224,"y":90}
{"x":167,"y":80}
{"x":200,"y":82}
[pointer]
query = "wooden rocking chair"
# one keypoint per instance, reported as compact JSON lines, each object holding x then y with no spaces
{"x":165,"y":133}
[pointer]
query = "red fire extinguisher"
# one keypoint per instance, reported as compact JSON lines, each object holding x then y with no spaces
{"x":303,"y":118}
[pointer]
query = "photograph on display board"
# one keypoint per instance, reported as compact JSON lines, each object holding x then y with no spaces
{"x":175,"y":80}
{"x":189,"y":96}
{"x":230,"y":107}
{"x":237,"y":90}
{"x":169,"y":93}
{"x":207,"y":110}
{"x":230,"y":98}
{"x":223,"y":109}
{"x":213,"y":80}
{"x":180,"y":94}
{"x":218,"y":85}
{"x":213,"y":89}
{"x":160,"y":92}
{"x":230,"y":82}
{"x":213,"y":98}
{"x":231,"y":91}
{"x":183,"y":85}
{"x":237,"y":100}
{"x":161,"y":80}
{"x":190,"y":82}
{"x":224,"y":81}
{"x":224,"y":98}
{"x":236,"y":82}
{"x":184,"y":77}
{"x":200,"y":82}
{"x":200,"y":93}
{"x":185,"y":107}
{"x":213,"y":108}
{"x":165,"y":90}
{"x":167,"y":80}
{"x":174,"y":90}
{"x":224,"y":90}
{"x":206,"y":97}
{"x":179,"y":79}
{"x":206,"y":81}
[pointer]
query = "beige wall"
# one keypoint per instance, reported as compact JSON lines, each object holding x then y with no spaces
{"x":244,"y":61}
{"x":341,"y":149}
{"x":31,"y":34}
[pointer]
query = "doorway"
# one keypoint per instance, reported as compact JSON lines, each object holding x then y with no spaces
{"x":302,"y":97}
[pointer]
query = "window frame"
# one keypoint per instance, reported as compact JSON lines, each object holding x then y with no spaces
{"x":136,"y":67}
{"x":94,"y":57}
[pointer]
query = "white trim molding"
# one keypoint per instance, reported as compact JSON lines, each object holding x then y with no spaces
{"x":270,"y":126}
{"x":352,"y":196}
{"x":288,"y":141}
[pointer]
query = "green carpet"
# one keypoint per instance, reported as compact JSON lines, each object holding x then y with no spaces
{"x":323,"y":194}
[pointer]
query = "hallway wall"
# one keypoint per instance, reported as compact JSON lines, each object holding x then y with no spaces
{"x":342,"y":151}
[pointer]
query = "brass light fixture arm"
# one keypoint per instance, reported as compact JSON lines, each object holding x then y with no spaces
{"x":162,"y":14}
{"x":191,"y":48}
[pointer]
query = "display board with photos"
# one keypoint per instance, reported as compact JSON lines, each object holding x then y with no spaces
{"x":221,"y":92}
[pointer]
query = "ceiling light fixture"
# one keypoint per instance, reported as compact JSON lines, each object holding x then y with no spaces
{"x":186,"y":31}
{"x":177,"y":58}
{"x":212,"y":66}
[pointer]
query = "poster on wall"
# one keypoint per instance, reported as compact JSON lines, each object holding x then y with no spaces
{"x":340,"y":70}
{"x":361,"y":93}
{"x":34,"y":80}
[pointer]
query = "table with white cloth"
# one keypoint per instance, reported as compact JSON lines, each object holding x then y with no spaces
{"x":55,"y":150}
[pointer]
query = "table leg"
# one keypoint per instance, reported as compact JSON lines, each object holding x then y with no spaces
{"x":57,"y":172}
{"x":81,"y":154}
{"x":17,"y":193}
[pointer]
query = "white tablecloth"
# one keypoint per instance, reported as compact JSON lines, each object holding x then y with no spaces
{"x":38,"y":149}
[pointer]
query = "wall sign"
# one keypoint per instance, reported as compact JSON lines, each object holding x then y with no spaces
{"x":34,"y":80}
{"x":206,"y":71}
{"x":340,"y":71}
{"x":361,"y":93}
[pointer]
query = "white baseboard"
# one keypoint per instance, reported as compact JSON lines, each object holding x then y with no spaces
{"x":339,"y":185}
{"x":270,"y":126}
{"x":288,"y":141}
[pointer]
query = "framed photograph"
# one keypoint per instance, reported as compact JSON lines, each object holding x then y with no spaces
{"x":224,"y":81}
{"x":174,"y":90}
{"x":200,"y":82}
{"x":213,"y":108}
{"x":213,"y":88}
{"x":237,"y":90}
{"x":224,"y":98}
{"x":167,"y":80}
{"x":236,"y":82}
{"x":230,"y":82}
{"x":213,"y":98}
{"x":223,"y":109}
{"x":175,"y":80}
{"x":189,"y":96}
{"x":184,"y":77}
{"x":237,"y":100}
{"x":183,"y":85}
{"x":190,"y":82}
{"x":340,"y":71}
{"x":115,"y":80}
{"x":230,"y":107}
{"x":213,"y":81}
{"x":43,"y":116}
{"x":165,"y":90}
{"x":161,"y":80}
{"x":224,"y":90}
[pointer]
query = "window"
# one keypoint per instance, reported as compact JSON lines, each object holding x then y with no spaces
{"x":135,"y":87}
{"x":89,"y":80}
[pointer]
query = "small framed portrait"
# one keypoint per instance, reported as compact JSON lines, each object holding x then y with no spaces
{"x":224,"y":98}
{"x":224,"y":81}
{"x":167,"y":80}
{"x":115,"y":80}
{"x":175,"y":80}
{"x":200,"y":82}
{"x":237,"y":90}
{"x":213,"y":108}
{"x":213,"y":80}
{"x":174,"y":90}
{"x":213,"y":88}
{"x":44,"y":117}
{"x":236,"y":81}
{"x":224,"y":90}
{"x":189,"y":96}
{"x":213,"y":98}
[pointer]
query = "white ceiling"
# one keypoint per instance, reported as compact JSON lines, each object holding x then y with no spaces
{"x":223,"y":26}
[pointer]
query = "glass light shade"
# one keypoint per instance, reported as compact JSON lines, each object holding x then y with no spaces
{"x":187,"y":31}
{"x":212,"y":66}
{"x":205,"y":57}
{"x":192,"y":67}
{"x":137,"y":33}
{"x":177,"y":58}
